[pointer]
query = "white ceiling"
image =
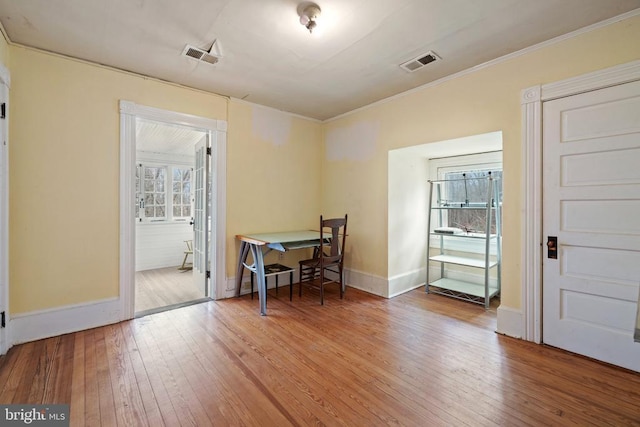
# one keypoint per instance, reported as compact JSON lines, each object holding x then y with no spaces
{"x":269,"y":58}
{"x":158,"y":137}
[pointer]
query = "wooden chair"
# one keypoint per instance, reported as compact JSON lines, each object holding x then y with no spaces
{"x":187,"y":252}
{"x":329,"y":257}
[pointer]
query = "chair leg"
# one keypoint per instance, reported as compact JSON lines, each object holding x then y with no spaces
{"x":252,"y":285}
{"x":291,"y":285}
{"x":321,"y":286}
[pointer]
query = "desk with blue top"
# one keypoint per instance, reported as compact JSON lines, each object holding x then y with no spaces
{"x":279,"y":241}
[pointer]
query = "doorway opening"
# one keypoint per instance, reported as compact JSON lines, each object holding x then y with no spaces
{"x":164,"y":215}
{"x":172,"y":209}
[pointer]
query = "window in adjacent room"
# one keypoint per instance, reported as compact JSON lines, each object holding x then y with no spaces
{"x":163,"y":193}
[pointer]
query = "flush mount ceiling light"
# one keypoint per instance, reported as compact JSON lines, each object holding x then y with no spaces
{"x":309,"y":14}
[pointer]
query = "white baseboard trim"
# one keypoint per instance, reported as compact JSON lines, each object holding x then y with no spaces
{"x":41,"y":324}
{"x":377,"y":285}
{"x":355,"y":279}
{"x":367,"y":282}
{"x":406,"y":282}
{"x":510,"y":322}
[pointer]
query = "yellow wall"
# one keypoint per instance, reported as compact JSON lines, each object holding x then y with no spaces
{"x":64,"y":174}
{"x":273,"y":175}
{"x":4,"y":51}
{"x":480,"y":102}
{"x":64,"y":160}
{"x":64,"y":165}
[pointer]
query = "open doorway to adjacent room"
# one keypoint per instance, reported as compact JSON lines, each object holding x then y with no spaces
{"x":172,"y":192}
{"x":165,"y":209}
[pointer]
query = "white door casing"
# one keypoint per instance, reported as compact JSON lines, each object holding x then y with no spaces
{"x":201,"y":215}
{"x":129,"y":111}
{"x":591,"y":203}
{"x":4,"y":212}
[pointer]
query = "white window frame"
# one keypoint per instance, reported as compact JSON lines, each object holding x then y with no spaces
{"x":438,"y":167}
{"x":168,"y":190}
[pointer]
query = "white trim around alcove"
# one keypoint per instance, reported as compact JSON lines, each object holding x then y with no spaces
{"x":531,"y":256}
{"x":129,"y":111}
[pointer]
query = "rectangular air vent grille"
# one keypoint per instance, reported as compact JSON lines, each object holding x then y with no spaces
{"x":420,"y":61}
{"x":200,"y":55}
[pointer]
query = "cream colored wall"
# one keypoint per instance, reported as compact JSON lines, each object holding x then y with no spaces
{"x":355,"y":175}
{"x":64,"y":174}
{"x":273,"y":175}
{"x":64,"y":160}
{"x":4,"y":50}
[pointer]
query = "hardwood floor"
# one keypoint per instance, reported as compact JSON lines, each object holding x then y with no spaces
{"x":414,"y":360}
{"x":162,"y":287}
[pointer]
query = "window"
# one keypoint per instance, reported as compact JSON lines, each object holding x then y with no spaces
{"x":158,"y":201}
{"x":462,"y":187}
{"x":181,"y":193}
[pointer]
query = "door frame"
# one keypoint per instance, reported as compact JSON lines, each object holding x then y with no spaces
{"x":5,"y":333}
{"x":129,"y":111}
{"x":531,"y":162}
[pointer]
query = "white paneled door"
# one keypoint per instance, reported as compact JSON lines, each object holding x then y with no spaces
{"x":591,"y":206}
{"x":201,"y":215}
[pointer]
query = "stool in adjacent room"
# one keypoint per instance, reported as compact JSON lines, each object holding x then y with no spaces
{"x":275,"y":270}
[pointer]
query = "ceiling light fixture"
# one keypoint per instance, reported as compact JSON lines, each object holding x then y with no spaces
{"x":309,"y":16}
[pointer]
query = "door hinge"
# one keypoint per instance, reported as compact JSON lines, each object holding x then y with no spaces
{"x":208,"y":274}
{"x":208,"y":151}
{"x":3,"y":110}
{"x":3,"y":320}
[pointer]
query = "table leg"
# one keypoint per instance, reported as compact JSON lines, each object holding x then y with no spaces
{"x":242,"y":258}
{"x":258,"y":260}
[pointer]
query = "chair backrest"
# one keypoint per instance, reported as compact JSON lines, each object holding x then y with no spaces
{"x":331,"y":252}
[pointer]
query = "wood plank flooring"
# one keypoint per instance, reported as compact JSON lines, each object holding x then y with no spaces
{"x":162,"y":287}
{"x":414,"y":360}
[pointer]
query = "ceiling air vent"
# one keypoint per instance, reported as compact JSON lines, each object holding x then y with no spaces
{"x":419,"y":62}
{"x":210,"y":56}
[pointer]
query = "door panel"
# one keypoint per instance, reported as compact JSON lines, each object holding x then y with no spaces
{"x":591,"y":202}
{"x":200,"y":218}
